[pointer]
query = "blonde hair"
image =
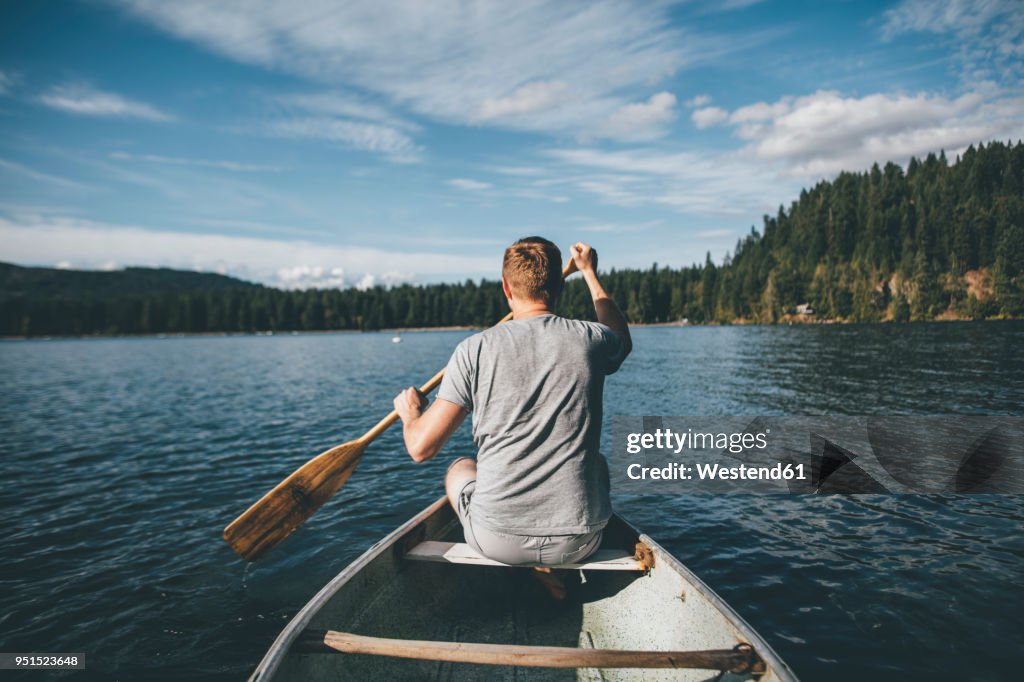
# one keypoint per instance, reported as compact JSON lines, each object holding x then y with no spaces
{"x":533,"y":269}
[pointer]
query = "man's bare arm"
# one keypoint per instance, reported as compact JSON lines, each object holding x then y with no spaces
{"x":607,"y":312}
{"x":426,"y":432}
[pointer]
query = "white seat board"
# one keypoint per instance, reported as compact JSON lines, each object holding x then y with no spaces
{"x":461,"y":553}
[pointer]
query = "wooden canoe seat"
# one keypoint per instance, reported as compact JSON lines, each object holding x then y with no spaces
{"x":461,"y":553}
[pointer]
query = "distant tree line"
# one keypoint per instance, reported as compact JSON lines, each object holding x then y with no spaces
{"x":934,"y":240}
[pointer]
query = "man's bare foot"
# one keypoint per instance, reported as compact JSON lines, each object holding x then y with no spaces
{"x":551,"y":582}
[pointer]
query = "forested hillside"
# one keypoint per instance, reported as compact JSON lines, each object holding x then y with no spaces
{"x":936,"y":240}
{"x":17,"y":281}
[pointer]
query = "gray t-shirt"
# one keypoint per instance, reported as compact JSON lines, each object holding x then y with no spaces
{"x":534,"y":387}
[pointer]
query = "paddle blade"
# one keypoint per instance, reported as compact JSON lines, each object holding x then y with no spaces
{"x":277,"y":514}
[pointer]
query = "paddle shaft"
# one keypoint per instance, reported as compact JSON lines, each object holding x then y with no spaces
{"x":425,"y":389}
{"x":739,"y":660}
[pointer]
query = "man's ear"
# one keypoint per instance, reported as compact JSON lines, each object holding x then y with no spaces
{"x":505,"y":288}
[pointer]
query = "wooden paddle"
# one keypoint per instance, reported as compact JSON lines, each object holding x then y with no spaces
{"x":742,"y":660}
{"x":280,"y":512}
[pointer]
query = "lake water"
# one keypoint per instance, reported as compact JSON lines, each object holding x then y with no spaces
{"x":123,"y":459}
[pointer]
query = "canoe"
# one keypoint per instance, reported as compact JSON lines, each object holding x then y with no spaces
{"x":421,"y":605}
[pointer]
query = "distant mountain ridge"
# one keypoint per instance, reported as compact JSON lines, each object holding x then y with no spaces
{"x":56,"y":283}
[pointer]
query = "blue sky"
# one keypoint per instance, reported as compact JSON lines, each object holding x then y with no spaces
{"x":344,"y":144}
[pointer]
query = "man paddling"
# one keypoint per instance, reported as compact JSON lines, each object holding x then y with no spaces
{"x":538,"y":491}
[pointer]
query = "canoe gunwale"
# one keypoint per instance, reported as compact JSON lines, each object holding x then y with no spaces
{"x":412,"y":532}
{"x":750,"y":636}
{"x":297,"y":625}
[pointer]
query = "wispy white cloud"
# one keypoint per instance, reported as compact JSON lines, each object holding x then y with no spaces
{"x":613,"y":189}
{"x":343,"y":118}
{"x":17,"y":208}
{"x":469,"y":184}
{"x":360,"y":135}
{"x":520,"y":171}
{"x":633,"y":161}
{"x":986,"y":37}
{"x":789,"y":143}
{"x":642,"y":120}
{"x":6,"y":81}
{"x":785,"y":144}
{"x":312,"y":277}
{"x":619,"y":228}
{"x":234,"y":166}
{"x":760,"y":111}
{"x":84,"y":100}
{"x":524,"y":182}
{"x":715,"y":233}
{"x":730,"y":5}
{"x":526,"y":193}
{"x":698,"y":101}
{"x":256,"y":226}
{"x":345,"y":105}
{"x":47,"y":178}
{"x":536,"y":65}
{"x":526,"y":99}
{"x":947,"y":16}
{"x":709,"y":116}
{"x":191,"y":196}
{"x":49,"y":240}
{"x":718,"y":185}
{"x":387,"y":279}
{"x":825,"y":132}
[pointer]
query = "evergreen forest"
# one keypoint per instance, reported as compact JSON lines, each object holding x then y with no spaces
{"x":935,"y":240}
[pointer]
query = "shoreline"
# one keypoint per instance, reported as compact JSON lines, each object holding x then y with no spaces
{"x":180,"y":335}
{"x":415,"y":330}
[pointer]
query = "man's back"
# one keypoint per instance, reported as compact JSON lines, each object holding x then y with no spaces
{"x":535,"y":387}
{"x":537,"y":493}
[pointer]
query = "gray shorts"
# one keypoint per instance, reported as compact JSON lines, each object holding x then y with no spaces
{"x":518,"y":550}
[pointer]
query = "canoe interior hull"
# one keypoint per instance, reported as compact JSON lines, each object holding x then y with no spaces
{"x":383,"y":594}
